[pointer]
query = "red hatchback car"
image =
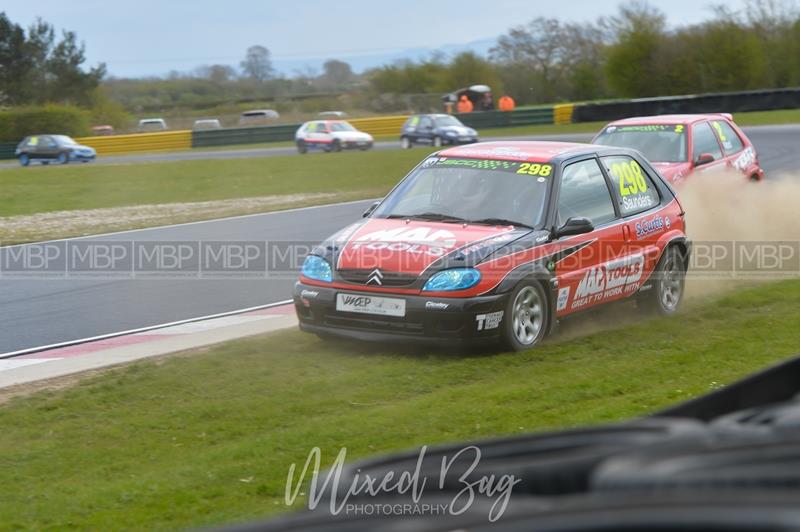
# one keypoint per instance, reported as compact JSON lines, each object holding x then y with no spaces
{"x":679,"y":145}
{"x":496,"y":241}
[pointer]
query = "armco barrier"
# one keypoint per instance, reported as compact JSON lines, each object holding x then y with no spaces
{"x":379,"y":126}
{"x":243,"y":135}
{"x":7,"y":150}
{"x":519,"y":117}
{"x":562,"y":113}
{"x":723,"y":102}
{"x":140,"y":142}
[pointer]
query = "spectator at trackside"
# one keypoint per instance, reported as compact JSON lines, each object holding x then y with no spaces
{"x":464,"y":105}
{"x":506,"y":103}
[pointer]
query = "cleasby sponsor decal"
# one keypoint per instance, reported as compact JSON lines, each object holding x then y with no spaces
{"x":433,"y":242}
{"x":436,"y":305}
{"x":309,"y":293}
{"x":609,"y":280}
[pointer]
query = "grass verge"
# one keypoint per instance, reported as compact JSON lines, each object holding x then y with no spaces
{"x":80,"y":189}
{"x":208,"y":438}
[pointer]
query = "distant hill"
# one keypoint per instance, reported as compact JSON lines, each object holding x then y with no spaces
{"x":364,"y":61}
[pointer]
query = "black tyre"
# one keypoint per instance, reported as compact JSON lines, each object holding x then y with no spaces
{"x":336,"y":146}
{"x":301,"y":147}
{"x":406,"y":143}
{"x":24,"y":160}
{"x":669,"y":279}
{"x":62,"y":158}
{"x":526,"y":316}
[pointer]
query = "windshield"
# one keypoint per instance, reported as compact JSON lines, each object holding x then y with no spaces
{"x":660,"y":143}
{"x":341,"y":126}
{"x":471,"y":190}
{"x":64,"y":140}
{"x":447,"y":121}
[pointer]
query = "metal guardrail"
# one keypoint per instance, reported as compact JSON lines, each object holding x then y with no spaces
{"x":499,"y":119}
{"x":243,"y":135}
{"x":139,"y":142}
{"x":7,"y":150}
{"x":381,"y":125}
{"x":721,"y":102}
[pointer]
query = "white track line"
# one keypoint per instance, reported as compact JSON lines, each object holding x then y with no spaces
{"x":68,"y":343}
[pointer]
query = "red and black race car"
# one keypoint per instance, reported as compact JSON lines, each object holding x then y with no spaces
{"x":496,"y":241}
{"x":679,"y":145}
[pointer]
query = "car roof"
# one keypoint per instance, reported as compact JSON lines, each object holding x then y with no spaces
{"x":327,"y":122}
{"x":668,"y":119}
{"x":522,"y":150}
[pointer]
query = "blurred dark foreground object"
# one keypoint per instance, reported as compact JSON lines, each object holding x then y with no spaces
{"x":729,"y":460}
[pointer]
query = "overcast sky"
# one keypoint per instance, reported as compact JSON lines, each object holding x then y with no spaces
{"x":151,"y":37}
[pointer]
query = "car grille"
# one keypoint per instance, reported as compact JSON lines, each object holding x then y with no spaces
{"x":389,"y":278}
{"x":401,"y":326}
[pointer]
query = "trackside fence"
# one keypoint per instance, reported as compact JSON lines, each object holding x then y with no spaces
{"x":7,"y":150}
{"x":139,"y":143}
{"x":730,"y":102}
{"x":721,"y":102}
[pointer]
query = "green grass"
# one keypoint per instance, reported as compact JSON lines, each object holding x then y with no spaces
{"x":205,"y":439}
{"x":55,"y":188}
{"x":765,"y":118}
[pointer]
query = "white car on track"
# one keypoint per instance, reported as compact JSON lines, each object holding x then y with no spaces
{"x":331,"y":135}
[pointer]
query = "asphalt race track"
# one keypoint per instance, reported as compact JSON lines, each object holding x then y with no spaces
{"x":43,"y":306}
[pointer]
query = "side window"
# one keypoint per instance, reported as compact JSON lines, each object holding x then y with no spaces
{"x":704,"y":141}
{"x":584,"y":192}
{"x":47,"y":142}
{"x":426,"y":123}
{"x":311,"y":128}
{"x":413,"y":122}
{"x":729,"y":139}
{"x":633,"y":188}
{"x":33,"y":142}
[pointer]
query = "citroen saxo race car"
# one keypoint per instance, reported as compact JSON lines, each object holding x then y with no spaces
{"x":496,"y":241}
{"x":679,"y":145}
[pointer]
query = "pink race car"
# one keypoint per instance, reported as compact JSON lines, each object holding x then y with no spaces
{"x":679,"y":145}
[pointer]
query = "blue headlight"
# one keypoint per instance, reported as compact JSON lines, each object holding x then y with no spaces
{"x":455,"y":279}
{"x":317,"y":268}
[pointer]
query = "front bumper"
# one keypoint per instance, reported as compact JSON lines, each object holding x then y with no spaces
{"x":461,"y":140}
{"x":82,"y":156}
{"x":437,"y":320}
{"x":356,"y":144}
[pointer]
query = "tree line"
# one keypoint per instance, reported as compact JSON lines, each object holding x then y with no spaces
{"x":36,"y":67}
{"x":631,"y":54}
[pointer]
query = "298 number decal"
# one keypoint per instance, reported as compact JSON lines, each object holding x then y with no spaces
{"x":542,"y":170}
{"x":631,"y":178}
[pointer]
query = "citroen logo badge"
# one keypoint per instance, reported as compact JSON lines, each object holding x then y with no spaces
{"x":375,"y":277}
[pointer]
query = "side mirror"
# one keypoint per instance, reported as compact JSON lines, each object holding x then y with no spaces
{"x":370,"y":209}
{"x":704,"y":158}
{"x":577,"y":225}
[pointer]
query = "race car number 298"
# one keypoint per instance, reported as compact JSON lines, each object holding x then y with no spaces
{"x":368,"y":304}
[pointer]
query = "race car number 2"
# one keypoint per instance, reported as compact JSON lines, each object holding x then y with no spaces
{"x":631,"y":178}
{"x":542,"y":170}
